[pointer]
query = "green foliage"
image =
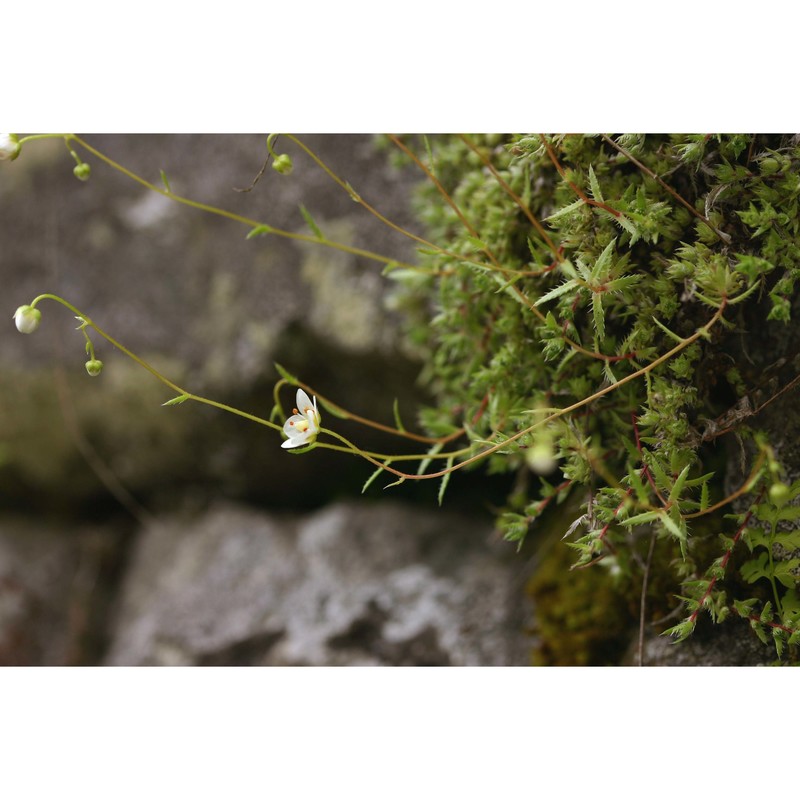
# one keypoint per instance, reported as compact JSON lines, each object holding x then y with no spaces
{"x":619,"y":272}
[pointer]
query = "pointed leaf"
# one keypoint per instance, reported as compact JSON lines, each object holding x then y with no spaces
{"x":423,"y":465}
{"x":374,"y":475}
{"x":445,"y":480}
{"x":677,"y":530}
{"x":604,"y":260}
{"x":398,"y":423}
{"x":559,"y":290}
{"x":625,"y":223}
{"x":595,"y":186}
{"x":566,"y":210}
{"x":333,"y":409}
{"x":310,"y":222}
{"x":677,"y":487}
{"x":285,"y":374}
{"x":599,"y":315}
{"x":640,"y":519}
{"x":181,"y":398}
{"x":259,"y":230}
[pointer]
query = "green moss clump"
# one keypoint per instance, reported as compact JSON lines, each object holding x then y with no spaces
{"x":565,"y":265}
{"x":581,"y":617}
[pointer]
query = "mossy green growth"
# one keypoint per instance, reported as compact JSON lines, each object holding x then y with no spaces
{"x":582,"y":617}
{"x":623,"y":276}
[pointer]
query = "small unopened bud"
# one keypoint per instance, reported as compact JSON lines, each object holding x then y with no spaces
{"x":779,"y":494}
{"x":94,"y":367}
{"x":82,"y":171}
{"x":769,"y":165}
{"x":27,"y":319}
{"x":283,"y":164}
{"x":541,"y":458}
{"x":9,"y":146}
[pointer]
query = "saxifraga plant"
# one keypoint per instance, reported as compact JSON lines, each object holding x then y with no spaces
{"x":591,"y":311}
{"x":598,"y":255}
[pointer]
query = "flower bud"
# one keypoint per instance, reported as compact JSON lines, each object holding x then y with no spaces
{"x":27,"y":319}
{"x":283,"y":164}
{"x":82,"y":171}
{"x":769,"y":165}
{"x":94,"y":367}
{"x":541,"y":458}
{"x":779,"y":494}
{"x":9,"y":146}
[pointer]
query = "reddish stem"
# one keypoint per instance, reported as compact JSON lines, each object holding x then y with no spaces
{"x":646,"y":469}
{"x":572,"y":186}
{"x":481,"y":409}
{"x":725,"y":558}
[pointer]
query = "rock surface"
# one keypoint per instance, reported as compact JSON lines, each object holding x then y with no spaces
{"x":51,"y":601}
{"x":355,"y":584}
{"x":731,"y":644}
{"x":188,"y":292}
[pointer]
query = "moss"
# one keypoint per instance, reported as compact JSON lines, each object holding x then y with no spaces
{"x":582,"y":619}
{"x":563,"y":267}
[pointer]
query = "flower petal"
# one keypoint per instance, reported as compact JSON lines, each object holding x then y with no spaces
{"x":295,"y":425}
{"x":303,"y":401}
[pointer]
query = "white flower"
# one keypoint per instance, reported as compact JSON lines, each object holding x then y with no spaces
{"x":303,"y":426}
{"x":9,"y":146}
{"x":27,"y":319}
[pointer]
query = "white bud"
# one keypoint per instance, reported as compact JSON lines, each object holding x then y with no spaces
{"x":9,"y":146}
{"x":541,"y":458}
{"x":27,"y":319}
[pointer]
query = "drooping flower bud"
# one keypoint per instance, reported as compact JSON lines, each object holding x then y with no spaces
{"x":27,"y":319}
{"x":9,"y":146}
{"x":94,"y":367}
{"x":283,"y":164}
{"x":82,"y":171}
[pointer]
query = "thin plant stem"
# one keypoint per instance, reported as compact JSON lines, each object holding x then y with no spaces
{"x":515,"y":197}
{"x":643,"y":601}
{"x":647,"y":171}
{"x":576,"y":189}
{"x":379,"y":425}
{"x":746,"y":487}
{"x":251,"y":223}
{"x":703,"y":331}
{"x":87,"y":322}
{"x":394,"y":226}
{"x":521,"y":296}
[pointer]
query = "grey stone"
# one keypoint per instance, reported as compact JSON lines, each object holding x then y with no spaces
{"x":353,"y":584}
{"x":186,"y":291}
{"x":729,"y":644}
{"x":51,"y":592}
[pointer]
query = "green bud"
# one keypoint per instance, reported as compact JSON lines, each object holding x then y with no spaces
{"x":779,"y":494}
{"x":27,"y":319}
{"x":283,"y":164}
{"x":769,"y":165}
{"x":94,"y":367}
{"x":82,"y":171}
{"x":9,"y":146}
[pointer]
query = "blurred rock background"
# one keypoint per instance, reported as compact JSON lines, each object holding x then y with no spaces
{"x":136,"y":534}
